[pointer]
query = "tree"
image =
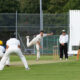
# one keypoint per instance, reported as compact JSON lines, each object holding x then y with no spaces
{"x":9,"y":6}
{"x":45,"y":4}
{"x":56,"y":6}
{"x":72,"y":5}
{"x":29,"y":6}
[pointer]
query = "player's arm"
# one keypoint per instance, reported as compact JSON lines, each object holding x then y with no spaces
{"x":49,"y":34}
{"x":7,"y":47}
{"x":19,"y":46}
{"x":39,"y":44}
{"x":60,"y":41}
{"x":18,"y":42}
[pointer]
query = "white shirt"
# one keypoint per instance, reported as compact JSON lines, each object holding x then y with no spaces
{"x":13,"y":42}
{"x":2,"y":49}
{"x":63,"y":38}
{"x":38,"y":38}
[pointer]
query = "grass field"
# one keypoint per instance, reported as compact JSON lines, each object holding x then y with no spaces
{"x":48,"y":69}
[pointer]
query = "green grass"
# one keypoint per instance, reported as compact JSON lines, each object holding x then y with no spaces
{"x":31,"y":57}
{"x":52,"y":71}
{"x":44,"y":57}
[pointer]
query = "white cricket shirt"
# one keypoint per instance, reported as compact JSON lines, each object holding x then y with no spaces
{"x":38,"y":38}
{"x":63,"y":38}
{"x":13,"y":42}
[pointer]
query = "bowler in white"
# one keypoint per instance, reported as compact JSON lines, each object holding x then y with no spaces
{"x":36,"y":41}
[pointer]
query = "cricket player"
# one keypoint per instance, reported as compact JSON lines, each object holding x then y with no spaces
{"x":2,"y":50}
{"x":13,"y":46}
{"x":36,"y":41}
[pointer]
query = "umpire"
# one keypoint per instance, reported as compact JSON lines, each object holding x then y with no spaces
{"x":63,"y":40}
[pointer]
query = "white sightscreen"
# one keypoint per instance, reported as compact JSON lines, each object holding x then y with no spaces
{"x":74,"y":40}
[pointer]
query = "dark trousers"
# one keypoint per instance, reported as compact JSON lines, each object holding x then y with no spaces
{"x":63,"y":50}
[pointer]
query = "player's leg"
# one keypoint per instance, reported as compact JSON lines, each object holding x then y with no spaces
{"x":3,"y":60}
{"x":22,"y":57}
{"x":8,"y":61}
{"x":1,"y":54}
{"x":38,"y":51}
{"x":29,"y":43}
{"x":61,"y":52}
{"x":66,"y":51}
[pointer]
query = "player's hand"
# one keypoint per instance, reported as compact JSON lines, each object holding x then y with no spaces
{"x":41,"y":47}
{"x":52,"y":33}
{"x":62,"y":44}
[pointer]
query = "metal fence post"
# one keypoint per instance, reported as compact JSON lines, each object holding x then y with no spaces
{"x":41,"y":21}
{"x":16,"y":24}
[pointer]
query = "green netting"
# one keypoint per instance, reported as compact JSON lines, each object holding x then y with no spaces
{"x":49,"y":43}
{"x":29,"y":24}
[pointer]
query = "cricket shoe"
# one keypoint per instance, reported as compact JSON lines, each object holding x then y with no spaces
{"x":66,"y":59}
{"x":37,"y":59}
{"x":8,"y":65}
{"x":1,"y":67}
{"x":60,"y":59}
{"x":27,"y":68}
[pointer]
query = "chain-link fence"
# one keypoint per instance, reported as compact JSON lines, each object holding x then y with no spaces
{"x":29,"y":24}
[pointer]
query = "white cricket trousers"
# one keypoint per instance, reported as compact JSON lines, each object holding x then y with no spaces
{"x":8,"y":52}
{"x":37,"y":47}
{"x":38,"y":51}
{"x":1,"y":54}
{"x":7,"y":61}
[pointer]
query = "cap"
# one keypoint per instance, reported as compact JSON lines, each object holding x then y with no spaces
{"x":63,"y":31}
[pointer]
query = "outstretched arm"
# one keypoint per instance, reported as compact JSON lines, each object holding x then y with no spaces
{"x":7,"y":47}
{"x":19,"y":46}
{"x":49,"y":34}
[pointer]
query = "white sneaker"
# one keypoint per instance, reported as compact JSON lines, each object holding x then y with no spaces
{"x":1,"y":67}
{"x":8,"y":65}
{"x":27,"y":37}
{"x":60,"y":59}
{"x":27,"y":68}
{"x":66,"y":59}
{"x":37,"y":59}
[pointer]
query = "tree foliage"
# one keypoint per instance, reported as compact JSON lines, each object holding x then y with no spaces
{"x":56,"y":6}
{"x":9,"y":6}
{"x":32,"y":6}
{"x":71,"y":5}
{"x":29,"y":6}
